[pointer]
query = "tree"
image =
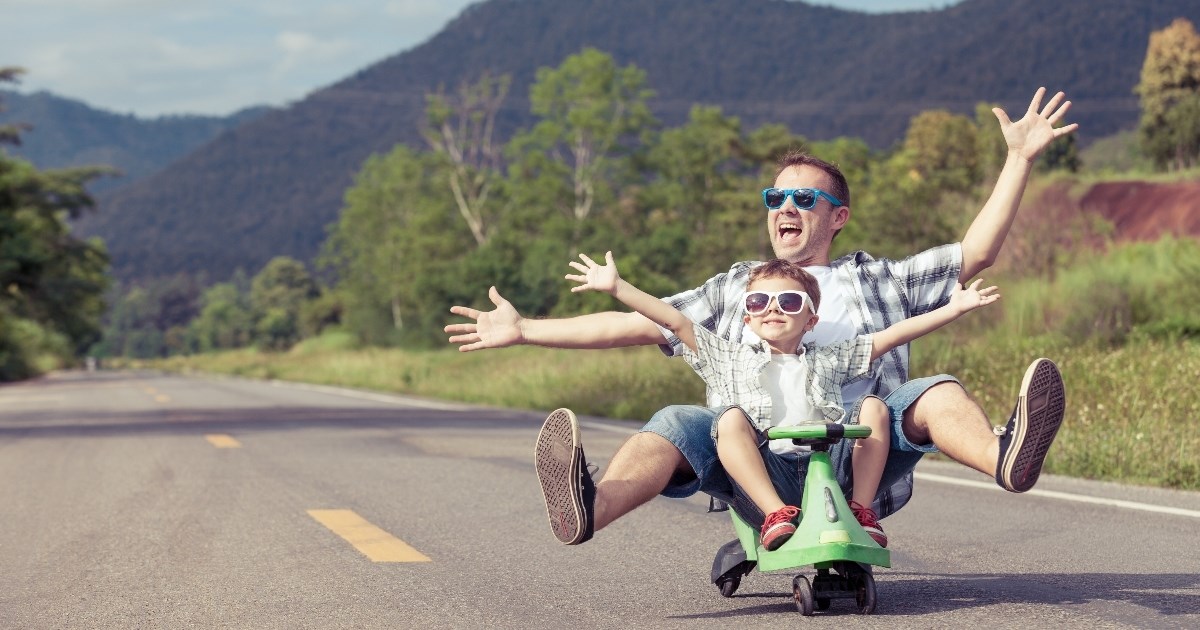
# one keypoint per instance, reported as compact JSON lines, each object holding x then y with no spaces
{"x":919,"y":190}
{"x":47,"y":275}
{"x":696,"y":200}
{"x":277,"y":295}
{"x":11,"y":134}
{"x":590,"y":111}
{"x":460,"y":129}
{"x":1170,"y":79}
{"x":225,"y":320}
{"x":394,"y":256}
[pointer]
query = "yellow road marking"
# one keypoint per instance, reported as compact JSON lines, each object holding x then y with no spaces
{"x":221,"y":440}
{"x":373,"y":542}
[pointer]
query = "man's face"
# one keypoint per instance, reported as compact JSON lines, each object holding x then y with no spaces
{"x":804,"y":236}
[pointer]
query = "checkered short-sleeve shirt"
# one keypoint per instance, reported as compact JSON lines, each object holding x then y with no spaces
{"x":733,"y":370}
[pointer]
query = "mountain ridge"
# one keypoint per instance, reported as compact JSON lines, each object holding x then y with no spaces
{"x":67,"y":132}
{"x":270,"y":186}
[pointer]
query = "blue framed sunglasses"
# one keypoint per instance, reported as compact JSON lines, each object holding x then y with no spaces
{"x":802,"y":198}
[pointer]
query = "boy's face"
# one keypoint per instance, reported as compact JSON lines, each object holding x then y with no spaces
{"x":781,"y":330}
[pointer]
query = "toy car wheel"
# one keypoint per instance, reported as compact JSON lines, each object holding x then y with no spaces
{"x":822,"y":603}
{"x":864,"y":593}
{"x":803,"y":593}
{"x":728,"y":585}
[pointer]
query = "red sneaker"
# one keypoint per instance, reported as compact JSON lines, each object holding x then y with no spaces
{"x":870,"y":522}
{"x":779,"y":527}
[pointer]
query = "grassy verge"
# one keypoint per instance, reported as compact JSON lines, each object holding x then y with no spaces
{"x":1130,"y":411}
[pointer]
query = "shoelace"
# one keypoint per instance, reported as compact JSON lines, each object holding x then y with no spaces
{"x":787,"y":513}
{"x":864,"y":515}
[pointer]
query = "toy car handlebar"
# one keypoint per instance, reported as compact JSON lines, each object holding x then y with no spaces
{"x":819,"y":432}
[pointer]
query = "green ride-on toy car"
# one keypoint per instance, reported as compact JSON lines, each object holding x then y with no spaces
{"x":828,"y":537}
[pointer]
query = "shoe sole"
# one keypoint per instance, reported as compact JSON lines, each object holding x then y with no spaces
{"x":1042,"y":403}
{"x":776,"y":541}
{"x":557,"y":458}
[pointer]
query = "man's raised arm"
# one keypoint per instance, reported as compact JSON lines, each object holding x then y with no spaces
{"x":504,"y":326}
{"x":1026,"y":139}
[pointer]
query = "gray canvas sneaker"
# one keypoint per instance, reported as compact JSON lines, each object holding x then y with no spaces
{"x":566,"y":484}
{"x":1031,"y":429}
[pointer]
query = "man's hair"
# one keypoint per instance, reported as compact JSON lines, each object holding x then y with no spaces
{"x":840,"y":188}
{"x":780,"y":268}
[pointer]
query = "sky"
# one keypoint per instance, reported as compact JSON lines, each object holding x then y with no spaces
{"x":214,"y":57}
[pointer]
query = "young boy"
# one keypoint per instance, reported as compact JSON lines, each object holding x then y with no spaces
{"x":780,"y":382}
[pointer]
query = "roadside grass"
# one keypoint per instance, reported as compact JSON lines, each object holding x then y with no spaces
{"x":1131,"y":411}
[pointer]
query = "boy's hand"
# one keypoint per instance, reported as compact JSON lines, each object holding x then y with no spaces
{"x":972,"y":297}
{"x":1030,"y":135}
{"x":595,"y":277}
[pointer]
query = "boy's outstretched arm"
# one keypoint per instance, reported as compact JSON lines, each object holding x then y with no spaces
{"x":961,"y":301}
{"x":605,"y":278}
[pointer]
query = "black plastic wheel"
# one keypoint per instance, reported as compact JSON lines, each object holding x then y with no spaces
{"x":803,"y":593}
{"x":822,"y":603}
{"x":728,"y":585}
{"x":864,"y":593}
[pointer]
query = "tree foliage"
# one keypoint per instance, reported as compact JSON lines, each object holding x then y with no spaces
{"x":461,"y":129}
{"x":48,"y":278}
{"x":1170,"y":96}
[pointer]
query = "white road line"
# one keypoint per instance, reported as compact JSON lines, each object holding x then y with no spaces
{"x":984,"y":485}
{"x":386,"y":398}
{"x":1064,"y":496}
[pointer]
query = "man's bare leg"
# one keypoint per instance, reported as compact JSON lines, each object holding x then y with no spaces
{"x":1013,"y":453}
{"x":637,"y":472}
{"x":946,"y":416}
{"x":576,"y":506}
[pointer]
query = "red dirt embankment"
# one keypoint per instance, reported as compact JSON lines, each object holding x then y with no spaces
{"x":1145,"y":211}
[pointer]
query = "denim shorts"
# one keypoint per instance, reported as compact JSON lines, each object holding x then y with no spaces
{"x":690,"y":428}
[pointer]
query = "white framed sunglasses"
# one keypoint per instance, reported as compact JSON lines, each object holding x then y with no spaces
{"x":790,"y":301}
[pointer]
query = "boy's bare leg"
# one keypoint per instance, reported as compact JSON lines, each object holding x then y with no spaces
{"x":637,"y":472}
{"x":737,"y":448}
{"x":870,"y":454}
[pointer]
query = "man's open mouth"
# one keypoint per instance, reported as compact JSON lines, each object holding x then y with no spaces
{"x":789,"y":230}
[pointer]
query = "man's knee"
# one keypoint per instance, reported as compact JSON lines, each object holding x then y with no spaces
{"x":943,"y":403}
{"x":657,"y":453}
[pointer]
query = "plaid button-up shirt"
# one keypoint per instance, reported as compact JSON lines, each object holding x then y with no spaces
{"x":879,"y":293}
{"x":734,"y":369}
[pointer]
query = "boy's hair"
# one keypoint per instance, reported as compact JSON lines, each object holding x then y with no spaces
{"x":780,"y":268}
{"x":840,"y":188}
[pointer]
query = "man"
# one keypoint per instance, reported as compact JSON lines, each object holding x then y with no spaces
{"x":672,"y":455}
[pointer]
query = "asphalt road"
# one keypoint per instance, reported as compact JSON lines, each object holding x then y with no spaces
{"x":139,"y":500}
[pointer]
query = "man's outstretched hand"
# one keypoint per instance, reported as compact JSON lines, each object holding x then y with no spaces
{"x":1030,"y":135}
{"x":498,"y":328}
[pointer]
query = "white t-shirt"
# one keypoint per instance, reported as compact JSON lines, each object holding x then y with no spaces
{"x":790,"y":405}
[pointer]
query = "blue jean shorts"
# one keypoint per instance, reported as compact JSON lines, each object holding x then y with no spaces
{"x":690,"y":428}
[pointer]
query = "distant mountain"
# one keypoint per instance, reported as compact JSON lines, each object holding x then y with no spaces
{"x":270,"y":186}
{"x":67,"y":132}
